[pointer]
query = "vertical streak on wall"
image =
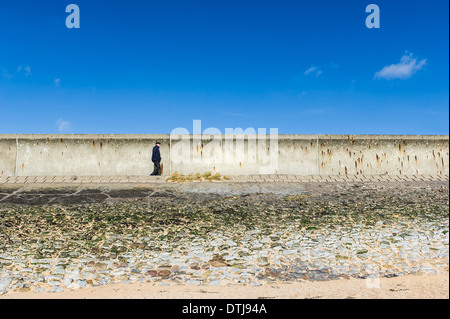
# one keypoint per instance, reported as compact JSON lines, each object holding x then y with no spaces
{"x":17,"y":155}
{"x":317,"y":155}
{"x":170,"y":151}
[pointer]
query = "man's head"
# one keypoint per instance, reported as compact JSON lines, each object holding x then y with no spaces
{"x":158,"y":144}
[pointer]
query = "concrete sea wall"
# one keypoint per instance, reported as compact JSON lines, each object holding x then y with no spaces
{"x":110,"y":155}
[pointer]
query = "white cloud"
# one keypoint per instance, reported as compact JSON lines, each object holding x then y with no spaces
{"x":407,"y":66}
{"x":63,"y":125}
{"x":312,"y":70}
{"x":25,"y":69}
{"x":57,"y":82}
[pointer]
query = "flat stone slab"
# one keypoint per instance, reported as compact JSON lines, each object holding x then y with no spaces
{"x":42,"y":194}
{"x":71,"y":194}
{"x":230,"y":189}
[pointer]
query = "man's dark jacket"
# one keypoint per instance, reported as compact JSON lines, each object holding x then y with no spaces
{"x":156,"y":156}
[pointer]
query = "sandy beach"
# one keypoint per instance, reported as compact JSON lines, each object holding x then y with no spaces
{"x":403,"y":287}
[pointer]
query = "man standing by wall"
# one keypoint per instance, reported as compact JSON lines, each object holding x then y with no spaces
{"x":156,"y":159}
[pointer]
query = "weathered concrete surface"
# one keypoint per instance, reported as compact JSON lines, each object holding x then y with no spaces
{"x":246,"y":154}
{"x":7,"y":155}
{"x":95,"y":155}
{"x":374,"y":155}
{"x":115,"y":155}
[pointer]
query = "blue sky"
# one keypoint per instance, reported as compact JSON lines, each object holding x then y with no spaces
{"x":304,"y":67}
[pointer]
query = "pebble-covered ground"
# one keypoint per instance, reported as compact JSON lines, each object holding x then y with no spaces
{"x":56,"y":239}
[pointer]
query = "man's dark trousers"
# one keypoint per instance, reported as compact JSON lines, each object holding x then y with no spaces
{"x":157,"y":167}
